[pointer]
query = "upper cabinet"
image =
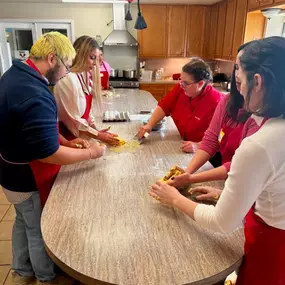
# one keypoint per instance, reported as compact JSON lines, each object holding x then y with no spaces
{"x":211,"y":31}
{"x":177,"y":17}
{"x":257,"y":4}
{"x":239,"y":29}
{"x":229,"y":29}
{"x":195,"y":30}
{"x":153,"y":40}
{"x":222,"y":10}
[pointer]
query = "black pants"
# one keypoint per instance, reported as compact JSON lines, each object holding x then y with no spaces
{"x":216,"y":160}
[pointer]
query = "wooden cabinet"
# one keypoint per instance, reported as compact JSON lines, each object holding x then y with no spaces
{"x":257,"y":4}
{"x":195,"y":30}
{"x":177,"y":16}
{"x":211,"y":31}
{"x":266,"y":2}
{"x":158,"y":90}
{"x":168,"y":88}
{"x":253,"y":4}
{"x":221,"y":28}
{"x":279,"y":1}
{"x":229,"y":29}
{"x":153,"y":40}
{"x":239,"y":29}
{"x":255,"y":25}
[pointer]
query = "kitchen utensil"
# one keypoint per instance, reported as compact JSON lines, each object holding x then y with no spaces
{"x":114,"y":73}
{"x":140,"y":141}
{"x":129,"y":73}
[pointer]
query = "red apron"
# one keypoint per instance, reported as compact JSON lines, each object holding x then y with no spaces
{"x":44,"y":173}
{"x":88,"y":97}
{"x":104,"y":77}
{"x":229,"y":140}
{"x":264,"y":252}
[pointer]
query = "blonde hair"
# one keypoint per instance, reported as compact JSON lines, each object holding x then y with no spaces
{"x":84,"y":46}
{"x":53,"y":42}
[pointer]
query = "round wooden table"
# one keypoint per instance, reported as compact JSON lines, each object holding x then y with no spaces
{"x":100,"y":225}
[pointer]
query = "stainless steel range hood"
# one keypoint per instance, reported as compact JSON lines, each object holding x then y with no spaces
{"x":120,"y":36}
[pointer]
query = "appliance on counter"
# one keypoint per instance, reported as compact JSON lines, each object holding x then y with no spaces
{"x":117,"y":82}
{"x":222,"y":80}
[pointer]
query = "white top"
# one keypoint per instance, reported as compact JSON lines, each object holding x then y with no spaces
{"x":71,"y":104}
{"x":257,"y":175}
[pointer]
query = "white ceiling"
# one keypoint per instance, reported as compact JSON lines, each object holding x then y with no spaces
{"x":195,"y":2}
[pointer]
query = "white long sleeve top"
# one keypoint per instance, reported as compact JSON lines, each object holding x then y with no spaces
{"x":71,"y":103}
{"x":257,"y":176}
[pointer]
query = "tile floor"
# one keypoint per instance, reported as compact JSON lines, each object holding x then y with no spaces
{"x":7,"y":217}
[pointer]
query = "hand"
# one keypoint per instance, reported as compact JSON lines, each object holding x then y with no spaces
{"x":97,"y":150}
{"x":189,"y":147}
{"x":142,"y":130}
{"x":108,"y":138}
{"x":166,"y":194}
{"x":207,"y":193}
{"x":181,"y":180}
{"x":78,"y":143}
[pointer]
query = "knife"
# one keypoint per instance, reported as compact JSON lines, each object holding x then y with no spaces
{"x":140,"y":141}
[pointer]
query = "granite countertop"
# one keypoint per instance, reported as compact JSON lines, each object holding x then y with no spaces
{"x":99,"y":222}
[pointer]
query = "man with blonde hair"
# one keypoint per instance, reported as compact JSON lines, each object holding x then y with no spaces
{"x":31,"y":151}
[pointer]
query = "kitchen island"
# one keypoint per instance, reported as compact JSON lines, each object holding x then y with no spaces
{"x":101,"y":227}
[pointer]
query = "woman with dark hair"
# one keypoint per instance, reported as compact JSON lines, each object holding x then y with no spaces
{"x":255,"y":188}
{"x":75,"y":92}
{"x":191,"y":104}
{"x":228,"y":126}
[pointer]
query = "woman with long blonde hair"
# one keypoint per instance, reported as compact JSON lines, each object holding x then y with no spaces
{"x":79,"y":93}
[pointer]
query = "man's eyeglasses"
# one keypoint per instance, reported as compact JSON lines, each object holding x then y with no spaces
{"x":185,"y":84}
{"x":66,"y":67}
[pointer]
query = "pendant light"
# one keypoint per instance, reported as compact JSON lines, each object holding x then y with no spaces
{"x":129,"y":15}
{"x":140,"y":23}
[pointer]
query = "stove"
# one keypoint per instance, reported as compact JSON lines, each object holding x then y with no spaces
{"x":118,"y":82}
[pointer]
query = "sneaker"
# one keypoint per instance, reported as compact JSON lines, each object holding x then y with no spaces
{"x":20,"y":280}
{"x":59,"y":280}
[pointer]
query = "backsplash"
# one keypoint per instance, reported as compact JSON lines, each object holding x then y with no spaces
{"x":170,"y":65}
{"x":224,"y":67}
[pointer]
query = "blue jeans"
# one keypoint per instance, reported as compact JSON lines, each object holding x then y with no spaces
{"x":29,"y":255}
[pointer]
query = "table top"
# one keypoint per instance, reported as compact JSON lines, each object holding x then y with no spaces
{"x":99,"y":222}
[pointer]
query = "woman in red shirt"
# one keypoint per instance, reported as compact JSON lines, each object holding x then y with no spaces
{"x":191,"y":103}
{"x":229,"y":125}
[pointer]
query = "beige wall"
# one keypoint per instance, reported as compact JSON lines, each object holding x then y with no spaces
{"x":89,"y":19}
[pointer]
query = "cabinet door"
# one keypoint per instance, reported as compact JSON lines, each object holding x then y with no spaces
{"x":156,"y":90}
{"x":177,"y":31}
{"x":195,"y":30}
{"x":253,"y":4}
{"x":239,"y":30}
{"x":279,"y":1}
{"x":152,"y":41}
{"x":221,"y":29}
{"x":266,"y":2}
{"x":168,"y":88}
{"x":255,"y":25}
{"x":229,"y":28}
{"x":213,"y":28}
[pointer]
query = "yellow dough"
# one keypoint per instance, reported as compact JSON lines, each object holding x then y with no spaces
{"x":121,"y":141}
{"x":174,"y":171}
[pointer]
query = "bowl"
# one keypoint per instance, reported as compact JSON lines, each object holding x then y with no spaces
{"x":158,"y":126}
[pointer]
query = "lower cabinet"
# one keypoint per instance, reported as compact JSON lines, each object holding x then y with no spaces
{"x":159,"y":90}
